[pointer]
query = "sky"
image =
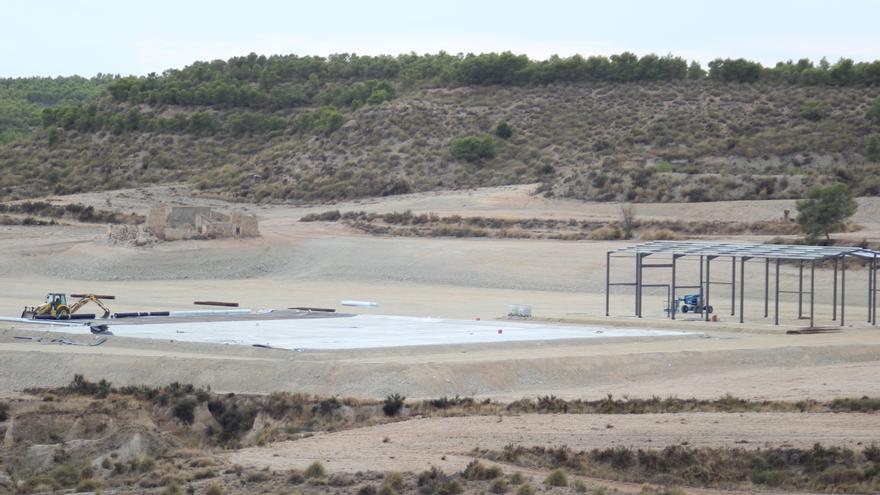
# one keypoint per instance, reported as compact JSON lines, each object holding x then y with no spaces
{"x":87,"y":37}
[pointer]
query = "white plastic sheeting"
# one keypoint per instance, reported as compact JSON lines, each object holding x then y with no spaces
{"x":366,"y":331}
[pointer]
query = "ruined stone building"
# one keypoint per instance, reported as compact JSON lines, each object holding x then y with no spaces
{"x":172,"y":223}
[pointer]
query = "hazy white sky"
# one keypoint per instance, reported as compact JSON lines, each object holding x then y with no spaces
{"x":53,"y":37}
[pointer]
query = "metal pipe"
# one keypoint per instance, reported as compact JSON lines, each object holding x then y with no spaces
{"x":870,"y":290}
{"x":701,"y":281}
{"x":766,"y":287}
{"x":812,"y":289}
{"x":874,"y":317}
{"x":834,"y":294}
{"x":801,"y":289}
{"x":776,"y":310}
{"x":636,"y":289}
{"x":842,"y":289}
{"x":607,"y":282}
{"x":732,"y":285}
{"x":639,"y":285}
{"x":708,"y":286}
{"x":672,"y":304}
{"x":742,"y":287}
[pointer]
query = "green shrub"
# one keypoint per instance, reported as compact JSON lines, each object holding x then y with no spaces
{"x":473,"y":148}
{"x":296,"y":477}
{"x":499,"y":485}
{"x":393,"y":404}
{"x":557,"y":477}
{"x":872,"y":148}
{"x":184,"y":410}
{"x":607,"y":232}
{"x":315,"y":470}
{"x":214,"y":489}
{"x":65,"y":475}
{"x":394,"y":481}
{"x":503,"y":130}
{"x":525,"y":489}
{"x":4,"y":411}
{"x":579,"y":486}
{"x":87,"y":485}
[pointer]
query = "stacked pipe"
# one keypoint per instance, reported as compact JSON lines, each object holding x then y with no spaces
{"x":135,"y":314}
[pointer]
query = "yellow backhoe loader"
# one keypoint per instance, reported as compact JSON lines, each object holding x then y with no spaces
{"x":56,"y":306}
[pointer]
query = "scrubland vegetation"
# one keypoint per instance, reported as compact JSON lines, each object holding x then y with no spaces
{"x":85,"y":432}
{"x":298,"y":129}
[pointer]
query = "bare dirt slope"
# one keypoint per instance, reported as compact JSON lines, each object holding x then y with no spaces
{"x":446,"y":442}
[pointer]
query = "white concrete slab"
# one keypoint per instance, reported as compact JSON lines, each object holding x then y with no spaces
{"x":367,"y":331}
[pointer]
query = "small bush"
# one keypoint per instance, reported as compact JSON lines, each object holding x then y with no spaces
{"x":327,"y":216}
{"x":503,"y":130}
{"x":87,"y":485}
{"x":184,"y":410}
{"x":499,"y":485}
{"x":579,"y":486}
{"x":296,"y":477}
{"x":340,"y":479}
{"x":660,"y":235}
{"x":606,"y":233}
{"x":393,"y":404}
{"x":557,"y":477}
{"x":525,"y":489}
{"x":214,"y":489}
{"x":473,"y":148}
{"x":4,"y":411}
{"x":394,"y":481}
{"x":315,"y":470}
{"x":65,"y":475}
{"x":367,"y":490}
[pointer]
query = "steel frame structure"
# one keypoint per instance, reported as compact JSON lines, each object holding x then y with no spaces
{"x":771,"y":254}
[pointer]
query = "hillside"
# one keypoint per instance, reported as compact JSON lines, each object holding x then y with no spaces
{"x":310,"y":129}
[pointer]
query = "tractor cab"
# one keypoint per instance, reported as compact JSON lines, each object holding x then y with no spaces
{"x":56,"y":299}
{"x":693,"y":303}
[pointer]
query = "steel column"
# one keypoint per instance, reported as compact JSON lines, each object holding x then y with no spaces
{"x":842,"y":289}
{"x":776,"y":288}
{"x":766,"y":287}
{"x":742,"y":286}
{"x":638,"y":290}
{"x":834,"y":294}
{"x":673,"y":305}
{"x":607,"y":282}
{"x":701,"y":283}
{"x":812,"y":289}
{"x":801,"y":289}
{"x":874,"y":311}
{"x":733,"y":286}
{"x":870,"y":290}
{"x":708,"y":285}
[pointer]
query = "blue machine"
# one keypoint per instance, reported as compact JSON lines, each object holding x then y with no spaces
{"x":692,"y":303}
